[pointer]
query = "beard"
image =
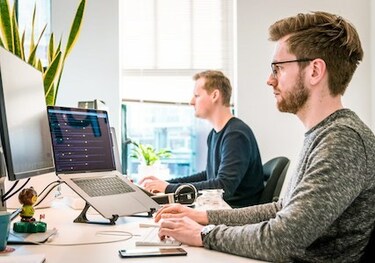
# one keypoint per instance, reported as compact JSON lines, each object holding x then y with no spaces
{"x":293,"y":101}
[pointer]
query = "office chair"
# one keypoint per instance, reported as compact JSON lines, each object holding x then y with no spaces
{"x":274,"y":171}
{"x":369,"y":254}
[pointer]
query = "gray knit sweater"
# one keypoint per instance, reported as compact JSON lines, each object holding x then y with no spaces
{"x":328,"y":211}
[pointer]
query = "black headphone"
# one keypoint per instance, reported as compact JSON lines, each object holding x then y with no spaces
{"x":185,"y":194}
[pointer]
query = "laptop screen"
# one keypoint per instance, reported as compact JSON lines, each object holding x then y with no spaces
{"x":81,"y":140}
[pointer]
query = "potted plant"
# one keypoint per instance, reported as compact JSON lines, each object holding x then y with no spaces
{"x":12,"y":40}
{"x":149,"y":159}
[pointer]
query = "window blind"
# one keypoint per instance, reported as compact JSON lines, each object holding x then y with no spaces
{"x":165,"y":42}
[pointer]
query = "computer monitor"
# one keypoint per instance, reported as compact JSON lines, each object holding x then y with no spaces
{"x":24,"y":130}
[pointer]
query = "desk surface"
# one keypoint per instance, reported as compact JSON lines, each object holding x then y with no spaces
{"x":61,"y":217}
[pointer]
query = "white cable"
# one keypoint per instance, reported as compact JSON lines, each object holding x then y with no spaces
{"x":108,"y":233}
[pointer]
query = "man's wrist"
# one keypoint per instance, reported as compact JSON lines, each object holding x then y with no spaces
{"x":206,"y":231}
{"x":201,"y":217}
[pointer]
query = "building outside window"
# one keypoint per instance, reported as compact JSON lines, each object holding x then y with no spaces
{"x":163,"y":44}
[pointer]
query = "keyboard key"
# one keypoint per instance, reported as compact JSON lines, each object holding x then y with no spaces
{"x":103,"y":186}
{"x":151,"y":238}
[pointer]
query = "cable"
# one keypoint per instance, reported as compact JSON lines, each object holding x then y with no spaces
{"x":10,"y":189}
{"x":15,"y":213}
{"x":15,"y":192}
{"x":127,"y":235}
{"x":57,"y":183}
{"x":45,"y":188}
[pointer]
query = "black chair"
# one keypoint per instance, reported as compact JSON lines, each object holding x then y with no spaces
{"x":369,"y":250}
{"x":274,"y":171}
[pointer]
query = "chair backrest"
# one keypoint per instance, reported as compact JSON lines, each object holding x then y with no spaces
{"x":274,"y":171}
{"x":369,"y":250}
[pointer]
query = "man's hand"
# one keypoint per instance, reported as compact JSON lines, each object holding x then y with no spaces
{"x":180,"y":211}
{"x":182,"y":229}
{"x":153,"y":184}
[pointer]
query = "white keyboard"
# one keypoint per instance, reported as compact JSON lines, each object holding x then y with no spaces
{"x":151,"y":238}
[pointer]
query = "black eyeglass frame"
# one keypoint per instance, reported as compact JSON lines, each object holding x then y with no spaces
{"x":273,"y":64}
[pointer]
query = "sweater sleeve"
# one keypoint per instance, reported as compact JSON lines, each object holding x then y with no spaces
{"x":328,"y":184}
{"x":242,"y":216}
{"x":176,"y":182}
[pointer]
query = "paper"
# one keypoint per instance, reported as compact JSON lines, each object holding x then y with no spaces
{"x":34,"y":258}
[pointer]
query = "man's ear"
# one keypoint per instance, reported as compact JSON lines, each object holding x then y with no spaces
{"x":318,"y":71}
{"x":215,"y":95}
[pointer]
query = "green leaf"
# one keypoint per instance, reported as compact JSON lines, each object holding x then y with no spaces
{"x":147,"y":154}
{"x":23,"y":44}
{"x":32,"y":59}
{"x":50,"y":97}
{"x":58,"y":49}
{"x":10,"y":39}
{"x":51,"y":48}
{"x":6,"y":25}
{"x":1,"y":42}
{"x":75,"y":28}
{"x":58,"y":81}
{"x":32,"y":43}
{"x":39,"y":65}
{"x":49,"y":77}
{"x":17,"y":47}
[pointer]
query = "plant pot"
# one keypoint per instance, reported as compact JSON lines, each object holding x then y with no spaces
{"x":158,"y":170}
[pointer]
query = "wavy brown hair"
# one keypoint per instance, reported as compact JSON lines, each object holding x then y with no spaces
{"x":326,"y":36}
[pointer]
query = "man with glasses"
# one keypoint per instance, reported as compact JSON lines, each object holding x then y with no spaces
{"x":328,"y":211}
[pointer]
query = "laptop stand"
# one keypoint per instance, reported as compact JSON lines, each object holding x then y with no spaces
{"x":149,"y":214}
{"x":82,"y":218}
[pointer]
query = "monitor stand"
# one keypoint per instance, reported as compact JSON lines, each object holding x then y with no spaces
{"x":2,"y":191}
{"x":30,"y":238}
{"x":2,"y":180}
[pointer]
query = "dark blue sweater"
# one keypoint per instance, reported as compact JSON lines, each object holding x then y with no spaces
{"x":233,"y":164}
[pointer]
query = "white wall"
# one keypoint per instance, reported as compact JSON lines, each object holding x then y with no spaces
{"x":92,"y":70}
{"x":282,"y":133}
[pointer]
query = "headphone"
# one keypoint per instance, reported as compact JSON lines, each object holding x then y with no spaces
{"x":185,"y":194}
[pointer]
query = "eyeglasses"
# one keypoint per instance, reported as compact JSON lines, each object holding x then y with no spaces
{"x":274,"y":64}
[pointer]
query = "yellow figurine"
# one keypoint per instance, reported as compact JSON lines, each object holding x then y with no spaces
{"x":27,"y":198}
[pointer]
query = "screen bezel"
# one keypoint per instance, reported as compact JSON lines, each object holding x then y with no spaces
{"x":4,"y":129}
{"x":109,"y":134}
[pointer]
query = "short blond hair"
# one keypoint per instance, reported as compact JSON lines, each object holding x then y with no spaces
{"x":216,"y":80}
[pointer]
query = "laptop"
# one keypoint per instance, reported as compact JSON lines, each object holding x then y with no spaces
{"x":84,"y":158}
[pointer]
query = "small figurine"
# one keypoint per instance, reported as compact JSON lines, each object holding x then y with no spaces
{"x":27,"y":198}
{"x":28,"y":224}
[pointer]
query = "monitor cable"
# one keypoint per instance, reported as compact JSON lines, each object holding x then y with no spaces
{"x":16,"y":212}
{"x":50,"y":187}
{"x":8,"y":195}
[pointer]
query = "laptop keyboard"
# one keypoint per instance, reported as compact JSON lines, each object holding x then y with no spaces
{"x":103,"y":186}
{"x":151,"y":238}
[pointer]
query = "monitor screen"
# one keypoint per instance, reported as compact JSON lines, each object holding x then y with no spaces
{"x":81,"y":140}
{"x":24,"y":130}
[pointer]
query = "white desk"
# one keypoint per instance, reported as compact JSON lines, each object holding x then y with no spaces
{"x":61,"y":217}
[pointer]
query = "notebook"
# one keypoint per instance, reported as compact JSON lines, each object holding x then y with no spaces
{"x":84,"y":158}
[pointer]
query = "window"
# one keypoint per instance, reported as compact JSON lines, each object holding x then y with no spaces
{"x":42,"y":18}
{"x":164,"y":43}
